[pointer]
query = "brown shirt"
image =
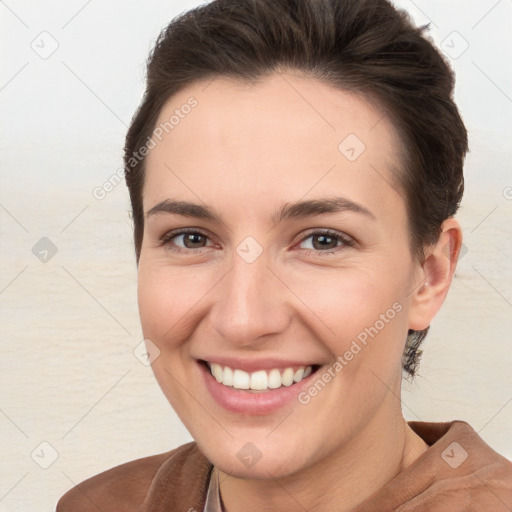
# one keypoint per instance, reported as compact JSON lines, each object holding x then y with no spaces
{"x":459,"y":472}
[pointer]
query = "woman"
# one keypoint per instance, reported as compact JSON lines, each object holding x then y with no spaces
{"x":294,"y":169}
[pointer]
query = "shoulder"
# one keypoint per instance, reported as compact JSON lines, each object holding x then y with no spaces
{"x":463,"y":469}
{"x":120,"y":489}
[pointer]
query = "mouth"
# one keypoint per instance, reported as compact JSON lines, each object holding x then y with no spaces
{"x":259,"y":381}
{"x":262,"y":391}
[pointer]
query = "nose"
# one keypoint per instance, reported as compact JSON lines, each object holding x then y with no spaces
{"x":251,"y":304}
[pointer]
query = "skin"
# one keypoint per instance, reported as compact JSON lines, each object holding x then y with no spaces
{"x":245,"y":151}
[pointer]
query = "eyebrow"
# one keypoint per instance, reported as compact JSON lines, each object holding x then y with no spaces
{"x":320,"y":206}
{"x":184,"y":208}
{"x":299,"y":209}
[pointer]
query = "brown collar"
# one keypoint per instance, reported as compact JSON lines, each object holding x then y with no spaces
{"x":458,"y":462}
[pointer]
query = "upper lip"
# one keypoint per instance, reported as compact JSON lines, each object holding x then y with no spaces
{"x":252,"y":365}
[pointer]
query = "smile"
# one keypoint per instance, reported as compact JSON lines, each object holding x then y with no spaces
{"x":255,"y":387}
{"x":261,"y":380}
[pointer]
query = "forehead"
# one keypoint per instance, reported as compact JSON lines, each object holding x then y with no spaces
{"x":285,"y":131}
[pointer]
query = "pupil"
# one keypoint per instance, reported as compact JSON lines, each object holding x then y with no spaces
{"x":193,"y":238}
{"x":325,"y":242}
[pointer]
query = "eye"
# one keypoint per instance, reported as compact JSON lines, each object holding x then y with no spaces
{"x":320,"y":241}
{"x":325,"y":241}
{"x":185,"y":241}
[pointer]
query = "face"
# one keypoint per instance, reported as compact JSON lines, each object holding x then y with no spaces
{"x":276,"y":244}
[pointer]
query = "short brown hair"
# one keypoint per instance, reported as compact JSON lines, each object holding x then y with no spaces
{"x":365,"y":46}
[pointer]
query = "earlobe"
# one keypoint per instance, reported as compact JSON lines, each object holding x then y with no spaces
{"x":435,"y":276}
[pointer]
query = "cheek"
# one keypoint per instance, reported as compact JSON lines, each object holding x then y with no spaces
{"x":154,"y":298}
{"x":358,"y":305}
{"x":166,"y":306}
{"x":166,"y":299}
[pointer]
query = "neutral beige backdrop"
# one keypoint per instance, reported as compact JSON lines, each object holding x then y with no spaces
{"x":68,"y":376}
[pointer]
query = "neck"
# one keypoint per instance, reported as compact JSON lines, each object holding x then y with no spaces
{"x":350,"y":475}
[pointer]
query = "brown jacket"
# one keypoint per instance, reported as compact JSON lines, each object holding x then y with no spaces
{"x":459,"y":472}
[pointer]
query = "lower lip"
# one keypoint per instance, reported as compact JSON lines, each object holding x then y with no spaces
{"x":243,"y":402}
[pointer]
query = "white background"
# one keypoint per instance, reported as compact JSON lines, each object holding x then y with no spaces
{"x":68,"y":376}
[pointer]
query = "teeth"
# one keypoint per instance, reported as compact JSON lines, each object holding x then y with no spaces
{"x":227,"y":376}
{"x":260,"y":380}
{"x":274,"y":379}
{"x":287,"y":377}
{"x":241,"y":379}
{"x":217,"y":372}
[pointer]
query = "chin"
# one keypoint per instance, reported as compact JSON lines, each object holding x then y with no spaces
{"x":254,"y":457}
{"x":266,"y":467}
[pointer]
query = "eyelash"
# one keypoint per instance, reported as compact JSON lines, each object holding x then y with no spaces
{"x":345,"y":241}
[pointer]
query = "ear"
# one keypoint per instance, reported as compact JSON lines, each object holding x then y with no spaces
{"x":435,"y":275}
